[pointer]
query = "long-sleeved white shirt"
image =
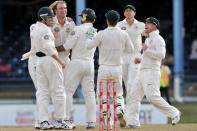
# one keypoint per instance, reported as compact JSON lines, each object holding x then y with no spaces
{"x":112,"y":42}
{"x":63,"y":34}
{"x":42,"y":39}
{"x":155,"y":52}
{"x":77,"y":42}
{"x":135,"y":31}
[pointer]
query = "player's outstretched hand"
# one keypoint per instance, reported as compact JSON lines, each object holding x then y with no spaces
{"x":63,"y":65}
{"x":144,"y":47}
{"x":54,"y":4}
{"x":137,"y":60}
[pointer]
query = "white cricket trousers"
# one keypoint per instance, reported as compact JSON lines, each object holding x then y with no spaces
{"x":77,"y":71}
{"x":64,"y":57}
{"x":132,"y":73}
{"x":106,"y":71}
{"x":50,"y":85}
{"x":32,"y":73}
{"x":32,"y":68}
{"x":147,"y":83}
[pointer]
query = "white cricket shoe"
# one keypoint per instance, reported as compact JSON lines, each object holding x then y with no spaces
{"x":91,"y":125}
{"x":120,"y":115}
{"x":58,"y":125}
{"x":37,"y":125}
{"x":176,"y":119}
{"x":132,"y":127}
{"x":68,"y":125}
{"x":45,"y":125}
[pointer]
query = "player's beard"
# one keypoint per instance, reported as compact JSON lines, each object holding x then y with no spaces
{"x":48,"y":23}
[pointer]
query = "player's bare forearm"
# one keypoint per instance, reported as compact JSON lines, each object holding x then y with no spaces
{"x":54,"y":4}
{"x":60,"y":48}
{"x":59,"y":61}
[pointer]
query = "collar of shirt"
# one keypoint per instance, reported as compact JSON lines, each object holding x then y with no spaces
{"x":134,"y":22}
{"x":111,"y":28}
{"x":41,"y":24}
{"x":87,"y":24}
{"x":56,"y":20}
{"x":153,"y":33}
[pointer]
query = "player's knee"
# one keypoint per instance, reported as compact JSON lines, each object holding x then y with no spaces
{"x":70,"y":89}
{"x":152,"y":98}
{"x":89,"y":93}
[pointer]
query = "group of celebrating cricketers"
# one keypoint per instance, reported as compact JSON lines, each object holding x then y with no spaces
{"x":122,"y":55}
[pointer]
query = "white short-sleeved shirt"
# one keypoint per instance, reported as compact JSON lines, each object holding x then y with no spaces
{"x":63,"y":34}
{"x":155,"y":52}
{"x":135,"y":32}
{"x":77,"y":42}
{"x":112,"y":42}
{"x":42,"y":39}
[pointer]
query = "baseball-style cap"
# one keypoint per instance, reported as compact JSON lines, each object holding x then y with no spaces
{"x":112,"y":15}
{"x":131,"y":7}
{"x":153,"y":21}
{"x":45,"y":11}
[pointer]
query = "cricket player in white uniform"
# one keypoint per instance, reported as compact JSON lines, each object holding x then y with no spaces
{"x":81,"y":67}
{"x":135,"y":29}
{"x":49,"y":75}
{"x":62,"y":28}
{"x":147,"y":81}
{"x":32,"y":67}
{"x":112,"y":42}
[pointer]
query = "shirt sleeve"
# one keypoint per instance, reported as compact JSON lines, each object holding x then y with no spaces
{"x":91,"y":43}
{"x":72,"y":39}
{"x":158,"y":52}
{"x":142,"y":28}
{"x":48,"y":44}
{"x":129,"y":44}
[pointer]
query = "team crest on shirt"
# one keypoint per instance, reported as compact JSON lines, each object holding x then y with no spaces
{"x":56,"y":29}
{"x":72,"y":33}
{"x":68,"y":30}
{"x":46,"y":37}
{"x":123,"y":28}
{"x":136,"y":27}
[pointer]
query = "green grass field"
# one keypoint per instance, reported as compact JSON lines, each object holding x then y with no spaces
{"x":179,"y":127}
{"x":189,"y":112}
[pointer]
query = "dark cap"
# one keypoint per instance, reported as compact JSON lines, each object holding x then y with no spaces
{"x":112,"y":16}
{"x":153,"y":21}
{"x":131,"y":7}
{"x":45,"y":11}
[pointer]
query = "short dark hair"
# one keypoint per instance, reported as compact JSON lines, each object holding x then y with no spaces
{"x":113,"y":17}
{"x":113,"y":23}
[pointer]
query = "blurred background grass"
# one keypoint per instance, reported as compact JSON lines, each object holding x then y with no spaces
{"x":189,"y":112}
